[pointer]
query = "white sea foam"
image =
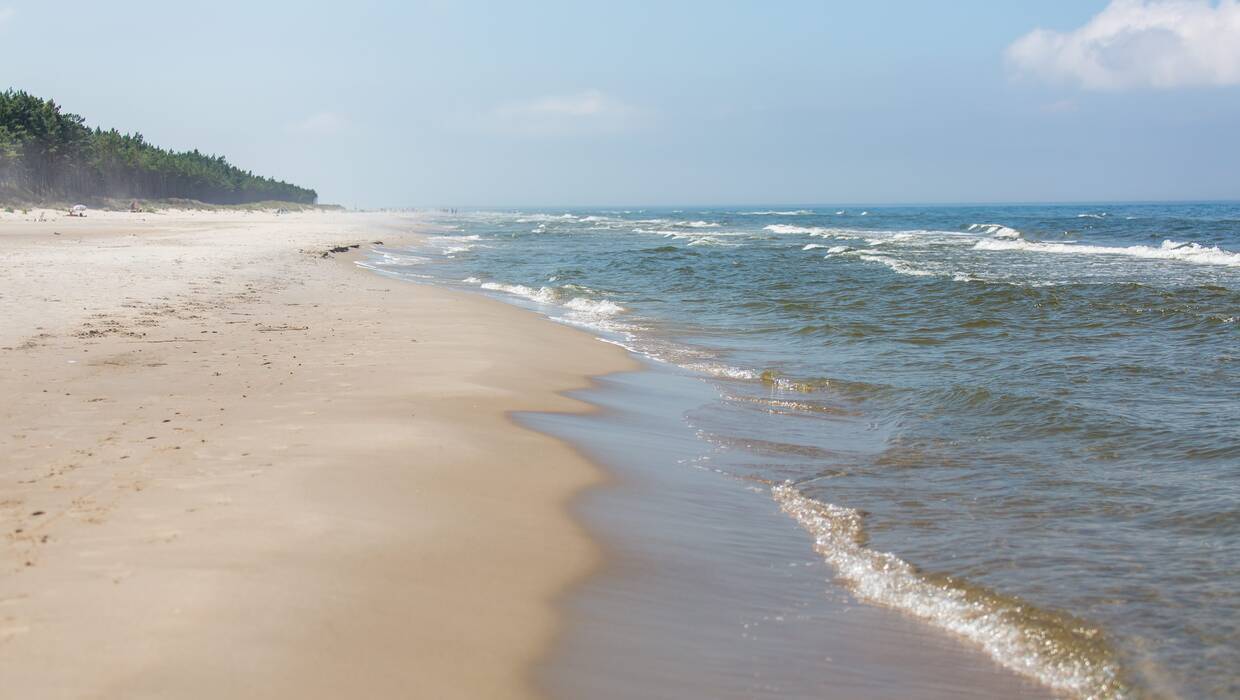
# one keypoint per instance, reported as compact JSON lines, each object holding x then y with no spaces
{"x":720,"y":370}
{"x":710,"y":241}
{"x":543,"y":295}
{"x":896,"y":237}
{"x":534,"y":218}
{"x":898,"y":266}
{"x":451,"y":245}
{"x":790,"y":229}
{"x":798,"y":212}
{"x":714,"y":238}
{"x":472,"y":280}
{"x":915,"y":237}
{"x":837,"y":249}
{"x":1169,"y":250}
{"x":396,"y":260}
{"x":697,"y":224}
{"x":556,"y":297}
{"x":1037,"y":649}
{"x":601,"y":307}
{"x":996,"y":230}
{"x":813,"y":246}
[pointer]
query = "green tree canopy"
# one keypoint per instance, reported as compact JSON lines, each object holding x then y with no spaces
{"x":49,"y":153}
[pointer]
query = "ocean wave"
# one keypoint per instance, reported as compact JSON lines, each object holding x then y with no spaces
{"x":896,"y":237}
{"x":907,"y":237}
{"x":821,"y":231}
{"x":896,"y":265}
{"x":1169,"y":250}
{"x":1063,"y":653}
{"x":711,"y":241}
{"x":798,"y":212}
{"x":557,"y":296}
{"x":451,"y":245}
{"x":790,"y":229}
{"x":602,"y":307}
{"x":535,"y":218}
{"x":996,"y":230}
{"x":714,"y":238}
{"x":543,"y":295}
{"x":697,"y":224}
{"x":831,"y":249}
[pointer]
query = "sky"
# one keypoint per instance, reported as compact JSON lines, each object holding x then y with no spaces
{"x":529,"y":104}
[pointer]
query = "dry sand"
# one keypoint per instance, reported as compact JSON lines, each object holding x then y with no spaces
{"x":230,"y":467}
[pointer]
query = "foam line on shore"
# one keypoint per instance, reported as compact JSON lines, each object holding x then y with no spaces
{"x":1063,"y":653}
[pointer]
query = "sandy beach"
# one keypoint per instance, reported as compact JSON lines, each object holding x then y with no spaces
{"x":231,"y":466}
{"x":656,"y":351}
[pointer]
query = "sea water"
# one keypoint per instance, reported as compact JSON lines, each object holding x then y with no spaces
{"x":1018,"y":424}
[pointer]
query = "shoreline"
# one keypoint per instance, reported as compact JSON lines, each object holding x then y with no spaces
{"x":708,"y":589}
{"x":243,"y":529}
{"x":616,"y":615}
{"x":901,"y":482}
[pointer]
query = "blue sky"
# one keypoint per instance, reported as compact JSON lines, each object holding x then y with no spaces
{"x":575,"y":103}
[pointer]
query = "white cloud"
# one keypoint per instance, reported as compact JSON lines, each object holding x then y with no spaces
{"x":1139,"y":43}
{"x":586,"y":111}
{"x":320,"y":124}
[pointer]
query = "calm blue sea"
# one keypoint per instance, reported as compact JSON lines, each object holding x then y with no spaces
{"x":1017,"y":423}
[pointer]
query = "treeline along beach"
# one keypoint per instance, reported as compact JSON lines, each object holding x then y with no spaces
{"x":47,"y":154}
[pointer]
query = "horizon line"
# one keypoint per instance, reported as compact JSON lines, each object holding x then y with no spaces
{"x":818,"y":205}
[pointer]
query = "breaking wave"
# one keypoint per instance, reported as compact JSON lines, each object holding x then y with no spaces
{"x":1064,"y":653}
{"x":1169,"y":250}
{"x":556,"y":296}
{"x":996,"y":230}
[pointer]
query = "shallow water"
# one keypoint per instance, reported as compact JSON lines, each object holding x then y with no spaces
{"x":1018,"y":424}
{"x":709,"y":591}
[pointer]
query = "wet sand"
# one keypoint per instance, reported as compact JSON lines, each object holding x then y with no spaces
{"x":232,"y":467}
